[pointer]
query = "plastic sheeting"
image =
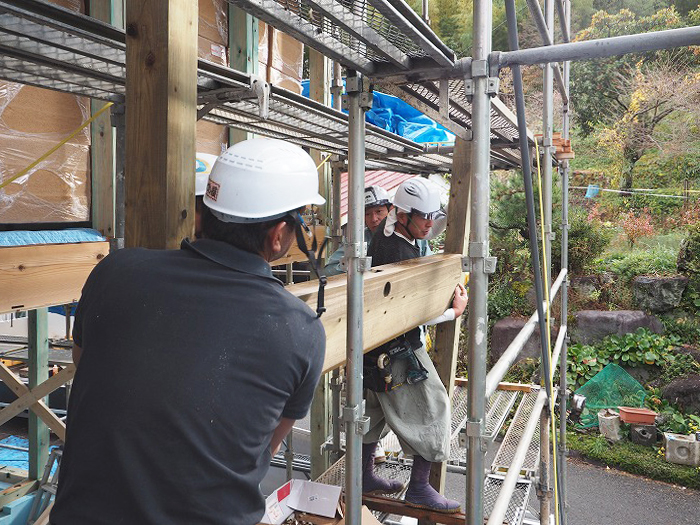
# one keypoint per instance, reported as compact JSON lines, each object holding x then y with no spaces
{"x":283,"y":66}
{"x":393,"y":114}
{"x":67,"y":236}
{"x":32,"y":121}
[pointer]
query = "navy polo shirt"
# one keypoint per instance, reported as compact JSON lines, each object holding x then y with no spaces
{"x":190,"y":358}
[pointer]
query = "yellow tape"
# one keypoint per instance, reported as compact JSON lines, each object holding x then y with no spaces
{"x":52,"y":150}
{"x":323,"y":161}
{"x":550,"y":379}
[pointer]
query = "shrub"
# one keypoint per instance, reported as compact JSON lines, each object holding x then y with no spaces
{"x":636,"y":225}
{"x":587,"y":241}
{"x":656,"y":260}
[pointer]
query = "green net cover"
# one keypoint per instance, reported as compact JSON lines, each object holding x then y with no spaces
{"x":612,"y":387}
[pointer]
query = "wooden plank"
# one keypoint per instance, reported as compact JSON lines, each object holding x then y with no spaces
{"x":456,"y":241}
{"x":397,"y":297}
{"x":12,"y":474}
{"x":38,"y":339}
{"x":101,"y":149}
{"x":294,"y":254}
{"x":36,"y":394}
{"x":161,"y":65}
{"x":47,"y":274}
{"x":398,"y":507}
{"x":513,"y":387}
{"x":41,"y":409}
{"x":17,"y":490}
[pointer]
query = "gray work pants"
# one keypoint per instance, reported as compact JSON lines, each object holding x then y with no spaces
{"x":419,"y":414}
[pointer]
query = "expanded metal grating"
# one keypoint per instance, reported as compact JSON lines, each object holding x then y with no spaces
{"x":498,"y":411}
{"x":510,"y":443}
{"x":518,"y":501}
{"x":357,"y":33}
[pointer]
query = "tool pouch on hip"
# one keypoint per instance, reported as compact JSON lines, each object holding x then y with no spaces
{"x":402,"y":367}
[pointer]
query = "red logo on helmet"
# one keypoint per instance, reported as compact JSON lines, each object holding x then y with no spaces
{"x":213,"y":190}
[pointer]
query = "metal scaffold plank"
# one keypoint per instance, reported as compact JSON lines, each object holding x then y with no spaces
{"x":515,"y":432}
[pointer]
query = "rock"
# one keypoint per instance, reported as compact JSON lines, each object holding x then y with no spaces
{"x":503,"y":333}
{"x":685,"y":392}
{"x":593,"y":325}
{"x":658,"y":294}
{"x":589,"y":285}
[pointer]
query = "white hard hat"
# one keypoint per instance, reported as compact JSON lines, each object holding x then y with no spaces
{"x":261,"y":179}
{"x":376,"y":196}
{"x":204,"y":164}
{"x":418,"y":196}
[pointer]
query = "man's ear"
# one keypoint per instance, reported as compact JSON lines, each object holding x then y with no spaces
{"x":275,"y":238}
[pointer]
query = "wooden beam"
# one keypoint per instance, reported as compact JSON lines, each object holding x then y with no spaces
{"x":36,"y":394}
{"x":102,"y":148}
{"x":38,"y":339}
{"x":12,"y":474}
{"x":47,"y":274}
{"x":397,"y":297}
{"x":161,"y":65}
{"x":456,"y":241}
{"x":17,"y":490}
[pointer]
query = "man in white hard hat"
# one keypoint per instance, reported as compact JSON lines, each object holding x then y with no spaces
{"x":377,"y":207}
{"x":403,"y":389}
{"x":193,"y":364}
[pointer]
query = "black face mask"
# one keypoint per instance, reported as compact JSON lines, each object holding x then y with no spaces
{"x":299,"y":228}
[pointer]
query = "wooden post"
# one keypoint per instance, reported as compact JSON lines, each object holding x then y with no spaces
{"x":319,"y":90}
{"x":102,"y":138}
{"x":456,"y":241}
{"x":38,"y":373}
{"x":243,"y":45}
{"x":161,"y":64}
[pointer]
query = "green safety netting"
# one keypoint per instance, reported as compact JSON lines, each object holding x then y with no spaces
{"x":612,"y":387}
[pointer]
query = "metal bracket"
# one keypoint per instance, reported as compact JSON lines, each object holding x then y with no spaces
{"x":115,"y":243}
{"x":477,"y":249}
{"x":354,"y":84}
{"x":364,"y":264}
{"x":352,"y":416}
{"x":551,"y":236}
{"x":469,"y":88}
{"x":261,"y":89}
{"x":490,"y":264}
{"x":492,"y":86}
{"x":480,"y":68}
{"x":366,"y":100}
{"x":474,"y":428}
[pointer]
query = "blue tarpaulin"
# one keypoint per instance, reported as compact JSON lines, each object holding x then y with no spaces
{"x":592,"y":191}
{"x":67,"y":236}
{"x":395,"y":115}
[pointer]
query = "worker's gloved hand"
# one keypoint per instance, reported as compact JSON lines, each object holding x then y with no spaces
{"x":459,"y":303}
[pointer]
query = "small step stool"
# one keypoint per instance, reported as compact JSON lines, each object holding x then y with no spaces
{"x":47,"y":486}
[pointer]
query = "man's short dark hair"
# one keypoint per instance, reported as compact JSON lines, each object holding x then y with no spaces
{"x":248,"y":236}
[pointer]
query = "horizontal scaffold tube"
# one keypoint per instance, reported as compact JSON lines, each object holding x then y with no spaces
{"x":604,"y":47}
{"x":560,"y":343}
{"x":498,"y":514}
{"x":498,"y":371}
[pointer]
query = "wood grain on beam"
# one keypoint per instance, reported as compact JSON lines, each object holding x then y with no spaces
{"x":46,"y":275}
{"x":161,"y":65}
{"x":294,"y":254}
{"x":397,"y":297}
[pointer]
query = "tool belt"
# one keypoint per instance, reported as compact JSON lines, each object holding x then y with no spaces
{"x":392,"y":365}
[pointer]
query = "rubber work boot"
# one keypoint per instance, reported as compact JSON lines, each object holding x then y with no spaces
{"x":371,"y":483}
{"x":422,"y":495}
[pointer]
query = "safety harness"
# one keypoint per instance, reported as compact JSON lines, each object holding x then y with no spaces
{"x":299,"y":228}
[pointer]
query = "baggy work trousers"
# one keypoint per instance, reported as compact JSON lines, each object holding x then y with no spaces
{"x":419,"y":414}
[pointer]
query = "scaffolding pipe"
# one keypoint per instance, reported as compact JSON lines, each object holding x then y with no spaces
{"x":478,"y":278}
{"x":499,"y":370}
{"x":547,"y":40}
{"x":564,"y":172}
{"x":602,"y":48}
{"x":547,"y":130}
{"x":561,"y":337}
{"x":501,"y":506}
{"x":355,"y":253}
{"x":564,"y":23}
{"x":118,"y":116}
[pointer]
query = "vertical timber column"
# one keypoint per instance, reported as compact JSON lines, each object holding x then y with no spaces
{"x":356,"y":424}
{"x":456,"y":238}
{"x":102,"y":138}
{"x":478,"y":252}
{"x":243,"y":45}
{"x":161,"y":64}
{"x":319,"y":90}
{"x":38,"y":373}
